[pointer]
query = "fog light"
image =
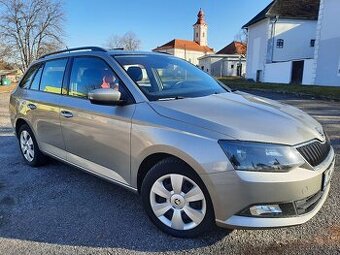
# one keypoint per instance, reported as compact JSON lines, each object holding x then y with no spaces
{"x":265,"y":210}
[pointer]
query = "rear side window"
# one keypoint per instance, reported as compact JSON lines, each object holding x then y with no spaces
{"x":89,"y":73}
{"x":26,"y":81}
{"x":52,"y":77}
{"x":36,"y":80}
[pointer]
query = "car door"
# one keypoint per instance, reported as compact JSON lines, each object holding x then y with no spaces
{"x":97,"y":137}
{"x":42,"y":109}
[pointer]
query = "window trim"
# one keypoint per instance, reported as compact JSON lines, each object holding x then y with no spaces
{"x":67,"y":77}
{"x":131,"y":99}
{"x":24,"y":77}
{"x":42,"y":65}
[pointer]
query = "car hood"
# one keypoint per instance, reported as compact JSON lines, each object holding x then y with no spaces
{"x":243,"y":116}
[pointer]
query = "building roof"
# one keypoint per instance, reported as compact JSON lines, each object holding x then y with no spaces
{"x":200,"y":18}
{"x":289,"y":9}
{"x":234,"y":48}
{"x":185,"y":45}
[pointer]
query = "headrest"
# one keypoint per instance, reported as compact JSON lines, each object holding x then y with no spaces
{"x":135,"y":72}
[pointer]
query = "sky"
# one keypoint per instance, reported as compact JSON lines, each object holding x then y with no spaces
{"x":90,"y":22}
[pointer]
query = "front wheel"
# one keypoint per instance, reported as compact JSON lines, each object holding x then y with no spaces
{"x":176,"y":199}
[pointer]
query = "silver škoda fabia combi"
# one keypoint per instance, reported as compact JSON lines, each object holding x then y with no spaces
{"x":196,"y":152}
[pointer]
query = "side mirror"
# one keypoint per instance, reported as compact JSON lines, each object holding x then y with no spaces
{"x":105,"y":97}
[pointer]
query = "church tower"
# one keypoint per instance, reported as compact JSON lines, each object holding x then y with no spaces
{"x":201,"y":30}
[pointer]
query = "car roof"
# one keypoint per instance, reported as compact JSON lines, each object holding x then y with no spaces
{"x":93,"y":51}
{"x":126,"y":52}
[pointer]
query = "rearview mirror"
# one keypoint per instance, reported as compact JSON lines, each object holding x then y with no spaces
{"x":105,"y":96}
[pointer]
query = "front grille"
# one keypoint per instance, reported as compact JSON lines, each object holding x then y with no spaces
{"x":316,"y":152}
{"x":308,"y":204}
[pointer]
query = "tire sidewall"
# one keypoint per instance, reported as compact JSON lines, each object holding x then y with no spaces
{"x":37,"y":159}
{"x":174,"y":166}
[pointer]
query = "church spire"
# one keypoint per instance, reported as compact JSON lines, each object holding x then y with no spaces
{"x":201,"y":29}
{"x":200,"y":18}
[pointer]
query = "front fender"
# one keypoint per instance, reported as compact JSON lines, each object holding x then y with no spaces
{"x":202,"y":154}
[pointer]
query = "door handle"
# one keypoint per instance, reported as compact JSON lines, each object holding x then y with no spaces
{"x":32,"y":106}
{"x":66,"y":114}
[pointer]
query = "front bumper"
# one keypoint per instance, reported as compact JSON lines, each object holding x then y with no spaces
{"x":234,"y":191}
{"x":236,"y":221}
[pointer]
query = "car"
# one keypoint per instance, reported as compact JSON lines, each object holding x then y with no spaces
{"x":197,"y":153}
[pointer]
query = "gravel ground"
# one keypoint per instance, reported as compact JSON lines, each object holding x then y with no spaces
{"x":60,"y":210}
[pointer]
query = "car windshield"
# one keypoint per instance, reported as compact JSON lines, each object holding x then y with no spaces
{"x":165,"y":77}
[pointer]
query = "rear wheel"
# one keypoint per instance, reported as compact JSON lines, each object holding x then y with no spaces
{"x":176,"y":199}
{"x":29,"y":147}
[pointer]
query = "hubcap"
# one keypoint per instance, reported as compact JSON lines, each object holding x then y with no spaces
{"x":27,"y":146}
{"x":178,"y":202}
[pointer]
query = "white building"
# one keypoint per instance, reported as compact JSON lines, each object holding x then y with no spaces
{"x":281,"y":42}
{"x":230,"y":61}
{"x":190,"y":50}
{"x":327,"y":47}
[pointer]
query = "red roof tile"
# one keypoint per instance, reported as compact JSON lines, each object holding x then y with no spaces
{"x":234,"y":48}
{"x":185,"y":45}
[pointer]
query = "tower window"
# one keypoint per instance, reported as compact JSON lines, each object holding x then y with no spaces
{"x":203,"y":34}
{"x":280,"y":43}
{"x":196,"y":34}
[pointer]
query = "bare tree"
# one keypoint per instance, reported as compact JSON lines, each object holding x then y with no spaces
{"x":242,"y":36}
{"x":114,"y":42}
{"x":5,"y":54}
{"x":128,"y":41}
{"x":31,"y":28}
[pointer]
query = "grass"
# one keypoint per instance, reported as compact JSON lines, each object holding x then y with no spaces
{"x":315,"y":91}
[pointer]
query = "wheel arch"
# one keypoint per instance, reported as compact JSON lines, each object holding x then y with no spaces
{"x":18,"y":123}
{"x":147,"y":164}
{"x":153,"y":158}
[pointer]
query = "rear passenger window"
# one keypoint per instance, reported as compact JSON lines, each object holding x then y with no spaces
{"x":89,"y":73}
{"x":26,"y":81}
{"x":36,"y":80}
{"x":52,"y":77}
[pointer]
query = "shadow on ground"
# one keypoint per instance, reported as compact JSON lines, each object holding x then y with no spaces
{"x":59,"y":204}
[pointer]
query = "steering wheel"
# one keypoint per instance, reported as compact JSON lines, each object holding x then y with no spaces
{"x":178,"y":84}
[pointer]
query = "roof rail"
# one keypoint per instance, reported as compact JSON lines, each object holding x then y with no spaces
{"x":92,"y":48}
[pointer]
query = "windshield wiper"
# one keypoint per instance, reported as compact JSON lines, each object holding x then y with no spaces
{"x":170,"y":98}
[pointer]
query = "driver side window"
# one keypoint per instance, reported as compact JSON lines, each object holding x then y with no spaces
{"x":89,"y":73}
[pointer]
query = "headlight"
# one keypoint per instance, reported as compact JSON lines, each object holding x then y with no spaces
{"x":250,"y":156}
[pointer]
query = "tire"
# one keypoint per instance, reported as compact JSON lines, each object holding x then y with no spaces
{"x":173,"y":191}
{"x":29,"y":147}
